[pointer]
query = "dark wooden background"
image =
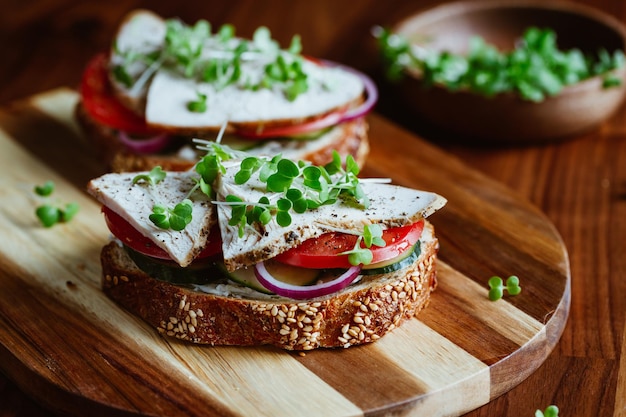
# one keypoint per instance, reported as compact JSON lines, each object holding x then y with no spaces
{"x":580,"y":184}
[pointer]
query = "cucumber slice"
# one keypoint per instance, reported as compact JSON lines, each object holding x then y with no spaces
{"x":310,"y":135}
{"x":202,"y":272}
{"x":239,"y":144}
{"x":286,"y":273}
{"x":245,"y":277}
{"x":390,"y":265}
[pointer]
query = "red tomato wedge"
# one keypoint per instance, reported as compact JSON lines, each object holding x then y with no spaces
{"x":131,"y":237}
{"x":323,"y":252}
{"x":102,"y":105}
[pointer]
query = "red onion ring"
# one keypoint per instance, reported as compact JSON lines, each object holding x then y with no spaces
{"x":149,"y":145}
{"x":331,"y":119}
{"x":302,"y":292}
{"x":370,"y":89}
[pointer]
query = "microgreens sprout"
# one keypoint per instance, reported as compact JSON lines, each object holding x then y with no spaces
{"x":535,"y":69}
{"x":219,"y":58}
{"x":49,"y":214}
{"x":550,"y":411}
{"x":155,"y":176}
{"x":372,"y":236}
{"x":300,"y":186}
{"x":166,"y":218}
{"x":199,"y":105}
{"x":44,"y":190}
{"x":497,"y":287}
{"x":177,"y":218}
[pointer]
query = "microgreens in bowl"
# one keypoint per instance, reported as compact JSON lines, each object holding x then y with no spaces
{"x":535,"y":69}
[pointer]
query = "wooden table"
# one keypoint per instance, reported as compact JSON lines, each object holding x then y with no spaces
{"x":579,"y":184}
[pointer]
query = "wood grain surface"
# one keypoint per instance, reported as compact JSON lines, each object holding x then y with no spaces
{"x":462,"y":352}
{"x":580,"y":185}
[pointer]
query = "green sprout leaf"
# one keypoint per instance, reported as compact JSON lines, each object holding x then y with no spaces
{"x":70,"y":211}
{"x":550,"y":411}
{"x":497,"y":287}
{"x":199,"y":105}
{"x":176,"y":219}
{"x":48,"y":215}
{"x":45,"y":190}
{"x":372,"y":236}
{"x":155,"y":176}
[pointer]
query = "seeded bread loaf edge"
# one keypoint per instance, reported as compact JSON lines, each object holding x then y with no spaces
{"x":353,"y":141}
{"x":361,"y":313}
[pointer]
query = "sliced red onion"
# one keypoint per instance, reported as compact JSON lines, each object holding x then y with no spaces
{"x":148,"y":145}
{"x":308,"y":291}
{"x":370,"y":89}
{"x":331,"y":119}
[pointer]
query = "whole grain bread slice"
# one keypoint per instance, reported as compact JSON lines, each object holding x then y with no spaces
{"x":361,"y":313}
{"x":350,"y":138}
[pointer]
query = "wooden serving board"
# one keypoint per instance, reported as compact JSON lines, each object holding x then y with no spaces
{"x":66,"y":344}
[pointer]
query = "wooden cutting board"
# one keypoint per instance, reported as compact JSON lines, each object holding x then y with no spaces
{"x":66,"y":344}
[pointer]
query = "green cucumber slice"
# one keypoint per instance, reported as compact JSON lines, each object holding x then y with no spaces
{"x":201,"y":272}
{"x":245,"y":277}
{"x":239,"y":144}
{"x":391,"y":265}
{"x":286,"y":273}
{"x":310,"y":135}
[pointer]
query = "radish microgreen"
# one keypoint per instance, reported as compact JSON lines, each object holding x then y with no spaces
{"x":176,"y":219}
{"x":372,"y":236}
{"x":44,"y":190}
{"x":155,"y":176}
{"x":220,"y":59}
{"x":300,"y":186}
{"x":550,"y":411}
{"x":535,"y":69}
{"x":199,"y":105}
{"x":497,"y":287}
{"x":49,"y":214}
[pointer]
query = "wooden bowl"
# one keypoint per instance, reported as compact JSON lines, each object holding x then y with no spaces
{"x":506,"y":118}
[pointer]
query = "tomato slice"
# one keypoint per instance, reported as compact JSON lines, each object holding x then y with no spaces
{"x":131,"y":237}
{"x":328,"y":120}
{"x":100,"y":102}
{"x":323,"y":252}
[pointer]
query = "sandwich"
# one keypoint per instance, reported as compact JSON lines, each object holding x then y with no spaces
{"x":253,"y":250}
{"x":163,"y":83}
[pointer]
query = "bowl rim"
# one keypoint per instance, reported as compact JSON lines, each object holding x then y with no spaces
{"x":455,"y":7}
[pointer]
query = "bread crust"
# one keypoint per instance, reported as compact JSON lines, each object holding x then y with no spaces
{"x":354,"y":141}
{"x":361,"y":313}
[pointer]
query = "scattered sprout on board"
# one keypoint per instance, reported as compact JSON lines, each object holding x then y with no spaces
{"x":49,"y":214}
{"x":497,"y":287}
{"x":535,"y":69}
{"x":550,"y":411}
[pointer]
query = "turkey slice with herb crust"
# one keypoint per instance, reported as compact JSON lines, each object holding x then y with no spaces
{"x":389,"y":206}
{"x":135,"y":202}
